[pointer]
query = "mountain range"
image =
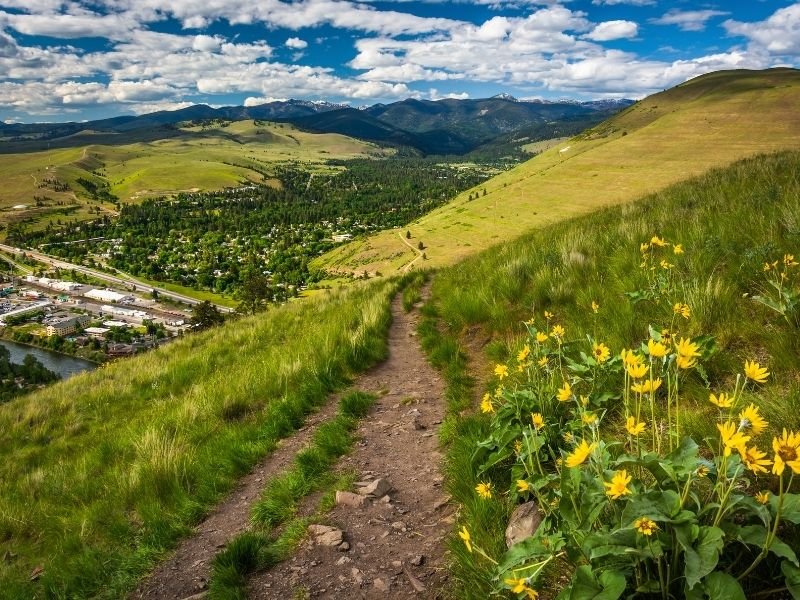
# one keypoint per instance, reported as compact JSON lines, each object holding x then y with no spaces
{"x":432,"y":127}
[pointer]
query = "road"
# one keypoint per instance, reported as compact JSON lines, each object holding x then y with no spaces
{"x":419,"y":253}
{"x":119,"y":281}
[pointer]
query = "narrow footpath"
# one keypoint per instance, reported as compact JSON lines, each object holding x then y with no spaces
{"x":394,"y":543}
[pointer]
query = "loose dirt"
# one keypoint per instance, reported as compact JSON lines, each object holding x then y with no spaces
{"x":397,"y":543}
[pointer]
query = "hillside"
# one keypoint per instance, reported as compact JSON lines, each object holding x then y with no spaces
{"x":51,"y":184}
{"x":709,"y":121}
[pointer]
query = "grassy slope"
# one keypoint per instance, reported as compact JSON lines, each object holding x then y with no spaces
{"x":100,"y":474}
{"x":210,"y":158}
{"x":564,"y":267}
{"x":707,"y":122}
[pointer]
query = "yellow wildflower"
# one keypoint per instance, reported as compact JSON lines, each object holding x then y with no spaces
{"x":637,"y":371}
{"x":618,"y":486}
{"x":634,"y":427}
{"x":589,"y":418}
{"x":657,"y":241}
{"x":548,"y":315}
{"x":666,"y":336}
{"x":557,"y":331}
{"x":753,"y":459}
{"x":464,"y":535}
{"x":722,"y":401}
{"x":762,"y":497}
{"x":688,"y":351}
{"x":520,"y":585}
{"x":754,"y":371}
{"x":789,"y":261}
{"x":645,"y":526}
{"x":542,"y":362}
{"x":787,"y":452}
{"x":677,"y":249}
{"x":523,"y":354}
{"x":517,"y":446}
{"x":702,"y":471}
{"x":750,"y":417}
{"x":646,"y":387}
{"x":541,"y":337}
{"x":565,"y":392}
{"x":484,"y":490}
{"x":682,"y":309}
{"x":568,"y":437}
{"x":523,"y":486}
{"x":666,"y":265}
{"x":601,"y":352}
{"x":486,"y":404}
{"x":584,"y":400}
{"x":732,"y":438}
{"x":537,"y":420}
{"x":580,"y":454}
{"x":656,"y":349}
{"x":644,"y":247}
{"x":630,"y":358}
{"x":595,"y":307}
{"x":501,"y":371}
{"x":498,"y":393}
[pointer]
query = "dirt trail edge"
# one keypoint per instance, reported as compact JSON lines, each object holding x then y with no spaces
{"x":186,"y":572}
{"x":396,"y":542}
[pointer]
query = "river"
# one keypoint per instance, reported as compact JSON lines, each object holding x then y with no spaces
{"x":64,"y":365}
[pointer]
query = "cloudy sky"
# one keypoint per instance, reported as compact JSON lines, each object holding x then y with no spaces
{"x":84,"y":59}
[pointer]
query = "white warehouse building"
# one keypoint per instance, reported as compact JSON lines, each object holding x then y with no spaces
{"x":108,"y":296}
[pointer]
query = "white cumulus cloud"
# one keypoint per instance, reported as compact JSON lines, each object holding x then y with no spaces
{"x":613,"y":30}
{"x":296,"y":43}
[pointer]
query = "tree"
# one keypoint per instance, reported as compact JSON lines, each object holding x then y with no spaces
{"x":206,"y":315}
{"x":421,"y":246}
{"x":408,"y":235}
{"x":254,"y":293}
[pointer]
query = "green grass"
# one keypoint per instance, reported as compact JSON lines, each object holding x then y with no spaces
{"x":258,"y":549}
{"x":708,"y":122}
{"x":730,"y":222}
{"x":201,"y":295}
{"x":194,"y":160}
{"x":101,"y":474}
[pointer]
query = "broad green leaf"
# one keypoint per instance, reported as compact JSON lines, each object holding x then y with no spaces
{"x":792,"y":574}
{"x":791,"y":507}
{"x":756,"y":535}
{"x":585,"y":586}
{"x":531,"y":549}
{"x":721,"y":586}
{"x":702,"y":558}
{"x":684,"y":458}
{"x":657,"y":505}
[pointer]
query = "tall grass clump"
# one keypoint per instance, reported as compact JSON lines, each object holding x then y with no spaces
{"x":101,"y":474}
{"x":604,"y":279}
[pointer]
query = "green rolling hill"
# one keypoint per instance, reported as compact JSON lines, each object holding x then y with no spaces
{"x":706,"y":122}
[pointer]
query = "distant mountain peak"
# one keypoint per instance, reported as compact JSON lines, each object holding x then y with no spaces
{"x":504,"y":96}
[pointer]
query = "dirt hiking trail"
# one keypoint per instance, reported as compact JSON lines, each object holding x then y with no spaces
{"x":394,"y":543}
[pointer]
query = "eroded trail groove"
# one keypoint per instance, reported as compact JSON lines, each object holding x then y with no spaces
{"x":185,"y":573}
{"x":396,"y":542}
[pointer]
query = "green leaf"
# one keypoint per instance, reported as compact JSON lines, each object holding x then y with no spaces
{"x":621,"y":542}
{"x":657,"y":505}
{"x":721,"y":586}
{"x":531,"y":549}
{"x":756,"y":535}
{"x":791,"y":507}
{"x":702,"y":558}
{"x":585,"y":586}
{"x":792,"y":574}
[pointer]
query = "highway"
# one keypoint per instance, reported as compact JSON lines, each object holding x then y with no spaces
{"x":118,"y":281}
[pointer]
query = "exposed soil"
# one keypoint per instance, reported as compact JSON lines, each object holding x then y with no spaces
{"x":396,"y":542}
{"x":186,"y":572}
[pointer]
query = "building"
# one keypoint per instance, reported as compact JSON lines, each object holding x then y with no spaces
{"x":116,"y":324}
{"x":24,"y":310}
{"x":97,"y":333}
{"x":108,"y":296}
{"x":66,"y":325}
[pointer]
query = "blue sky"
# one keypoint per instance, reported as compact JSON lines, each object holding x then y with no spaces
{"x":86,"y":59}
